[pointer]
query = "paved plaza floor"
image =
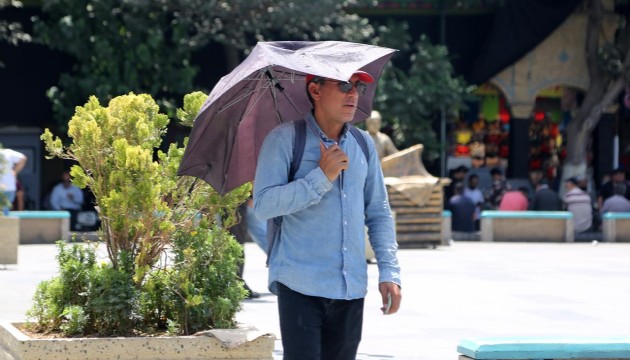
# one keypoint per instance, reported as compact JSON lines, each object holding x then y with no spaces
{"x":467,"y":290}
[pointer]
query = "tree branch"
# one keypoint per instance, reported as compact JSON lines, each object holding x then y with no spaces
{"x":595,"y":15}
{"x":617,"y":86}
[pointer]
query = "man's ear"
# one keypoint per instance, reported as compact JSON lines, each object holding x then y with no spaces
{"x":313,"y":88}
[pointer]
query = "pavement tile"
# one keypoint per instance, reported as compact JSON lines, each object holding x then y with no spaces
{"x":466,"y":290}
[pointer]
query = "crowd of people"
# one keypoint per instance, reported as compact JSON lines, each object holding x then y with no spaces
{"x":465,"y":200}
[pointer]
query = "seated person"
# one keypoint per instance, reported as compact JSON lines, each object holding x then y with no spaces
{"x":545,"y":199}
{"x":617,"y":202}
{"x":515,"y":200}
{"x":65,"y":195}
{"x":579,"y":203}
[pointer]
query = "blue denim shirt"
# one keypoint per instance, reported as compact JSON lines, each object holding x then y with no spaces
{"x":321,"y":247}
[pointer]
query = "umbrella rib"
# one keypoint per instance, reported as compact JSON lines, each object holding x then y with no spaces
{"x":268,"y":86}
{"x":274,"y":80}
{"x":240,"y":98}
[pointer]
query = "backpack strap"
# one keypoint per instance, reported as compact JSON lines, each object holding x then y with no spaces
{"x":299,"y":142}
{"x":361,"y":140}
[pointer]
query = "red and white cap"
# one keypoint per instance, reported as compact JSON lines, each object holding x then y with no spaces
{"x":363,"y":76}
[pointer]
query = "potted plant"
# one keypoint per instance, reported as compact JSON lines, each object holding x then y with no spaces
{"x":171,"y":267}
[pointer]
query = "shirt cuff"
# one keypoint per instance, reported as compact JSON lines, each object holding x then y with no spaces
{"x":319,"y":181}
{"x":390,"y":275}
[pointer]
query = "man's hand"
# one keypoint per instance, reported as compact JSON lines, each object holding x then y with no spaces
{"x":333,"y":161}
{"x":386,"y":288}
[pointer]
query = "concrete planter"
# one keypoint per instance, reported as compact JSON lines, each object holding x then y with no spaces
{"x":242,"y":343}
{"x":9,"y":240}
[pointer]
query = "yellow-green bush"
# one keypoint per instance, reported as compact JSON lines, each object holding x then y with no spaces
{"x":147,"y":212}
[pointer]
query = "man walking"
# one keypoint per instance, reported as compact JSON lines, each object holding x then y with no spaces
{"x":317,"y":261}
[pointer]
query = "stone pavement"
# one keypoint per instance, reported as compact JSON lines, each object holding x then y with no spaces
{"x":466,"y":290}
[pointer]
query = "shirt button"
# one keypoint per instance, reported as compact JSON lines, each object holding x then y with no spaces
{"x":345,"y":222}
{"x":345,"y":249}
{"x":345,"y":272}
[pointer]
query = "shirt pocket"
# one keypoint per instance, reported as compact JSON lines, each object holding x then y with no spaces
{"x":310,"y":161}
{"x":356,"y":175}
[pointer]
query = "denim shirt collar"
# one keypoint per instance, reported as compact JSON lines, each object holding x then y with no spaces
{"x":312,"y":124}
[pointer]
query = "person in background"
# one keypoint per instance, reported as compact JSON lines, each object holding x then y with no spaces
{"x":66,"y":195}
{"x":545,"y":199}
{"x":473,"y":193}
{"x":384,"y":144}
{"x":241,"y":234}
{"x":457,"y":176}
{"x":462,"y":210}
{"x":11,"y":163}
{"x":617,"y":202}
{"x":18,"y":203}
{"x":578,"y":202}
{"x":499,"y":187}
{"x":617,"y":176}
{"x":515,"y":200}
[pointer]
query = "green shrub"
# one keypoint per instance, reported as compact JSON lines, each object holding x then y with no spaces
{"x":171,"y":263}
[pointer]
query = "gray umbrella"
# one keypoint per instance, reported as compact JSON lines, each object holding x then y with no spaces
{"x":266,"y":89}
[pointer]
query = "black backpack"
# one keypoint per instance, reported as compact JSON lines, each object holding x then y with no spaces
{"x":299,"y":142}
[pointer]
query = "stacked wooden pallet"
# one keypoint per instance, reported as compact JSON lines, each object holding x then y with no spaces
{"x":416,"y":197}
{"x":418,"y":226}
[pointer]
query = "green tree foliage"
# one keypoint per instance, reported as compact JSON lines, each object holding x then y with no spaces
{"x":11,"y":32}
{"x":146,"y":46}
{"x":146,"y":209}
{"x":119,"y":46}
{"x":411,"y":98}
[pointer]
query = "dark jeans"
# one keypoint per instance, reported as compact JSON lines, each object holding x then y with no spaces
{"x":315,"y":328}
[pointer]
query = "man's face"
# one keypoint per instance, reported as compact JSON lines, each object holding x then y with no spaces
{"x":65,"y":179}
{"x":334,"y":104}
{"x":473,"y":182}
{"x":619,"y":177}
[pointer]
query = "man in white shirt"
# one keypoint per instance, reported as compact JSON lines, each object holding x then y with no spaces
{"x":11,"y":163}
{"x":579,"y":203}
{"x":65,"y":195}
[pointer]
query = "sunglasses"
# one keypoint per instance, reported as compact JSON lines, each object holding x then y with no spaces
{"x":346,"y":86}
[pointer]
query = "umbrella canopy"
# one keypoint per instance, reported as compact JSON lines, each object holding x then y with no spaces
{"x":266,"y":89}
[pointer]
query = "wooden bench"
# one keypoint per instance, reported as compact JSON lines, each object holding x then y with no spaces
{"x":616,"y":227}
{"x":43,"y":227}
{"x":548,"y":348}
{"x":544,"y":226}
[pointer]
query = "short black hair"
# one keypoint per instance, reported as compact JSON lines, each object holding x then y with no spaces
{"x":619,"y":189}
{"x":496,"y":171}
{"x":573,"y":180}
{"x":461,"y":168}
